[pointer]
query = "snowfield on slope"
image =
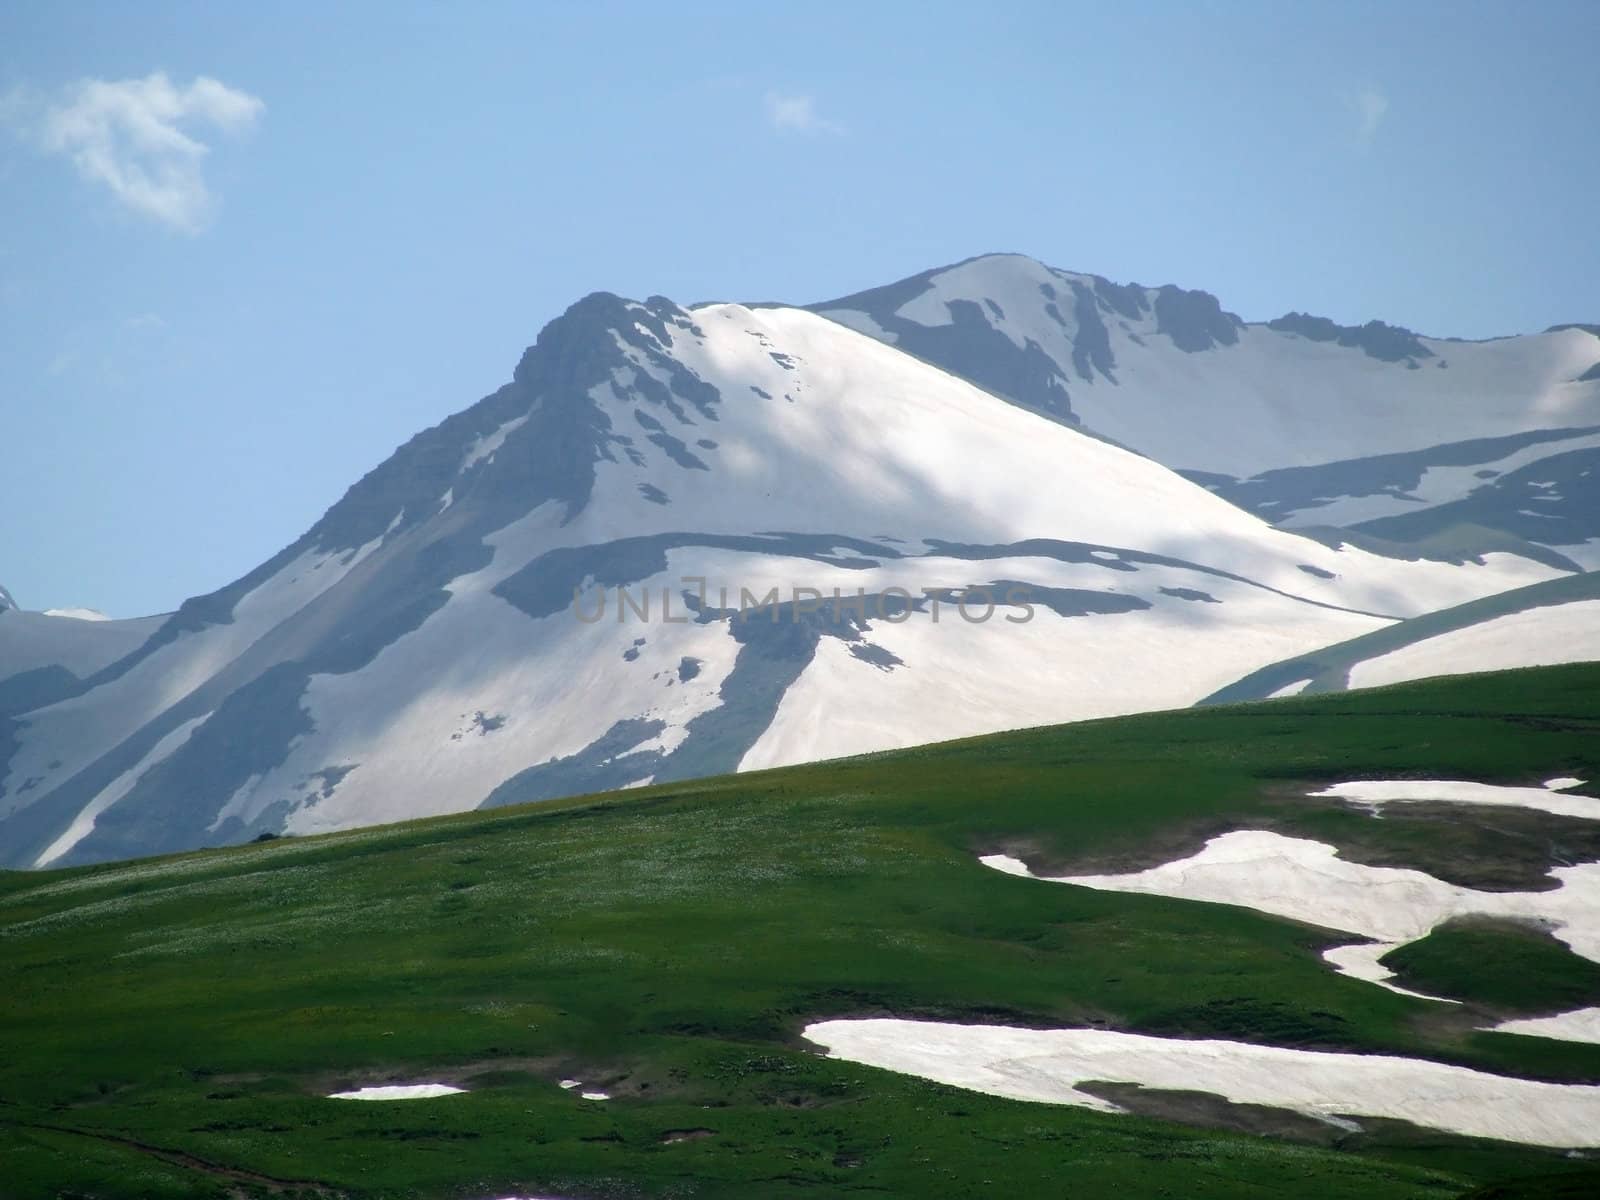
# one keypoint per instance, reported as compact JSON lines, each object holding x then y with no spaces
{"x":1050,"y":1064}
{"x":864,"y":429}
{"x":1440,"y":484}
{"x":1535,"y":637}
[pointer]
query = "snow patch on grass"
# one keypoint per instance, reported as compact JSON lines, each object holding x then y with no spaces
{"x":399,"y":1091}
{"x":1307,"y":881}
{"x":1377,"y":792}
{"x":1359,"y":960}
{"x":1049,"y":1064}
{"x":1580,"y":1025}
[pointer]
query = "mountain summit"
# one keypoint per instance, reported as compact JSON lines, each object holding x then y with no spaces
{"x":1300,"y":420}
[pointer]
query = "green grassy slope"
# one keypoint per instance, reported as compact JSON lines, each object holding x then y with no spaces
{"x":168,"y":1027}
{"x":1511,"y":967}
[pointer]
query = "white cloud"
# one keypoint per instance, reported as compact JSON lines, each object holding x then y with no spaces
{"x":1370,"y":106}
{"x":139,"y":137}
{"x":797,"y":114}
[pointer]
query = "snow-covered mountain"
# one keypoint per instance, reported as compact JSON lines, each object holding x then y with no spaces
{"x":622,"y":567}
{"x":1462,"y":446}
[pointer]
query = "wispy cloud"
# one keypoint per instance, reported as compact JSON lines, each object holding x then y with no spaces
{"x":797,"y":113}
{"x":142,"y":139}
{"x":1370,"y":105}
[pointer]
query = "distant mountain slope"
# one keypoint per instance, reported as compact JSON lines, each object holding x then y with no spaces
{"x":1299,"y":420}
{"x":44,"y":656}
{"x":1557,"y":621}
{"x":419,"y":649}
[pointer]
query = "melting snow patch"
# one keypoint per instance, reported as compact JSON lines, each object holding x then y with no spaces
{"x":1581,"y":1025}
{"x":1009,"y":865}
{"x":1373,"y":792}
{"x":1359,"y":960}
{"x":1307,"y":881}
{"x":399,"y":1091}
{"x":1047,"y":1065}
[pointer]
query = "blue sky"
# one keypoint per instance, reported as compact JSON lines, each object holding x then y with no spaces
{"x":356,"y":227}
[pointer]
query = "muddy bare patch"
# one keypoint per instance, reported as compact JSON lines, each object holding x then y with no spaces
{"x":1211,"y":1111}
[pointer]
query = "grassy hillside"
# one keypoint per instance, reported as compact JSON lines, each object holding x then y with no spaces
{"x":1512,"y":968}
{"x":168,"y":1028}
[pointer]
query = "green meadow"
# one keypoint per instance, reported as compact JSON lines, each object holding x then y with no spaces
{"x":171,"y":1027}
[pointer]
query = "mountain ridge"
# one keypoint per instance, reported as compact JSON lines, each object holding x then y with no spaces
{"x":1422,"y":423}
